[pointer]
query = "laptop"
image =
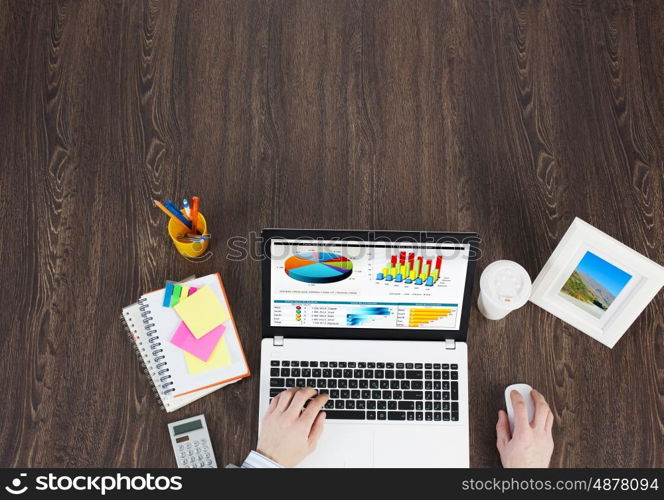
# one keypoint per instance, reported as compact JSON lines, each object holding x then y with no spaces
{"x":377,"y":320}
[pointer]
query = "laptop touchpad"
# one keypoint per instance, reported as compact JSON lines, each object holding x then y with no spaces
{"x":343,"y":446}
{"x":407,"y":446}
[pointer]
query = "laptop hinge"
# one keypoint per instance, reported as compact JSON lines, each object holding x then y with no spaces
{"x":278,"y":340}
{"x":450,"y":344}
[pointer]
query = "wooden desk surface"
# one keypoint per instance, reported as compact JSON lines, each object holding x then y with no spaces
{"x":505,"y":118}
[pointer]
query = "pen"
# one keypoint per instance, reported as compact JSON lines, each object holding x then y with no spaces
{"x":195,"y":200}
{"x":185,"y":205}
{"x":171,"y":207}
{"x":167,"y":212}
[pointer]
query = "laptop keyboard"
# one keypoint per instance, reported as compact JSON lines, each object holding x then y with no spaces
{"x":410,"y":392}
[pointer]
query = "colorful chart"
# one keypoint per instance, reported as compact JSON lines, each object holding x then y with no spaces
{"x":318,"y":267}
{"x":411,"y":269}
{"x":421,"y":315}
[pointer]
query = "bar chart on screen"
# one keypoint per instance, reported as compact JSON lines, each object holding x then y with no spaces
{"x":408,"y":267}
{"x":430,"y":316}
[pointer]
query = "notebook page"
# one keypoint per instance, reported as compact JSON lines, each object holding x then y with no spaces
{"x":166,"y":322}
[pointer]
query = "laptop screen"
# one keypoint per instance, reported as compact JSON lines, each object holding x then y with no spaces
{"x":381,"y":285}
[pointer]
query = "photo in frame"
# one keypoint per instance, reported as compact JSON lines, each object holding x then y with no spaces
{"x":596,"y":283}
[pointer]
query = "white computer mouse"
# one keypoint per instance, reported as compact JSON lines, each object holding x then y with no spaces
{"x":524,"y":390}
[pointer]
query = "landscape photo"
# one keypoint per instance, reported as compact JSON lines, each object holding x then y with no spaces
{"x":594,"y":285}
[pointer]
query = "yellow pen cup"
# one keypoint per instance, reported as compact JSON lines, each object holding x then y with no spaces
{"x":188,"y":249}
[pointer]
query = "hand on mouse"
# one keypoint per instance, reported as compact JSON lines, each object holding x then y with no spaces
{"x":531,"y":444}
{"x":289,"y":434}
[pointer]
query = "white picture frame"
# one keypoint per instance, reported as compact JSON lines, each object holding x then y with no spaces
{"x":589,"y":265}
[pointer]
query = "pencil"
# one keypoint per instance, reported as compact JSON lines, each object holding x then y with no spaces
{"x":167,"y":212}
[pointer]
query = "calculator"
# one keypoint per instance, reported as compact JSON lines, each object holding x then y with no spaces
{"x":191,"y":443}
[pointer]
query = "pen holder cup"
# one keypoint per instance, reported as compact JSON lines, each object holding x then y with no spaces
{"x":188,"y":249}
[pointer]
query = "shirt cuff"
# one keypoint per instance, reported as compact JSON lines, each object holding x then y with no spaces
{"x":257,"y":461}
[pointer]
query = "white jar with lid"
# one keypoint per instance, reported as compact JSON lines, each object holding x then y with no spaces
{"x":504,"y":287}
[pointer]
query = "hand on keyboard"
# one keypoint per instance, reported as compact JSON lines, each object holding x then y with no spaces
{"x":531,"y":444}
{"x":291,"y":427}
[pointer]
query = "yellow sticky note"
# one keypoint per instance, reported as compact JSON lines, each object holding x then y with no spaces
{"x":202,"y":312}
{"x":184,"y":293}
{"x":219,"y":358}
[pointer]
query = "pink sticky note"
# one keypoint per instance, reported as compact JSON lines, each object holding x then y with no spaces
{"x":201,"y":348}
{"x":192,"y":289}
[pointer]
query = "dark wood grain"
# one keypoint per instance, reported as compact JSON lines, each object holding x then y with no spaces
{"x":508,"y":118}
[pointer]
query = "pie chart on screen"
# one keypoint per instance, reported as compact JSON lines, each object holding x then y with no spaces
{"x":318,"y":267}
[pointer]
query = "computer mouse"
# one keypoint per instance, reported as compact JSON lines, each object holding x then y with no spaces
{"x":524,"y":390}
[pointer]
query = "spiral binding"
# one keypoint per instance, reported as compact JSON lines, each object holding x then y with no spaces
{"x":145,"y":368}
{"x":160,"y":365}
{"x":137,"y":350}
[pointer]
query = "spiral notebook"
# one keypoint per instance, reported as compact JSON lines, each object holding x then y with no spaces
{"x":131,"y":317}
{"x":151,"y":327}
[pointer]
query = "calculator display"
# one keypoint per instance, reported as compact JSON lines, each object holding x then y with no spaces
{"x":187,"y":427}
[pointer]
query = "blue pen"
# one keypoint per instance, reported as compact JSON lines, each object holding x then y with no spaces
{"x":185,"y":205}
{"x":175,"y":210}
{"x":170,"y":206}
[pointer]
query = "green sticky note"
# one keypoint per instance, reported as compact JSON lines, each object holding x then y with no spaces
{"x":175,"y":298}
